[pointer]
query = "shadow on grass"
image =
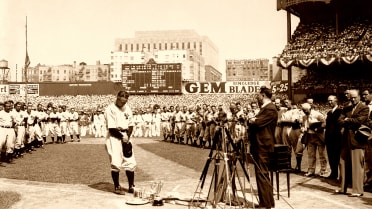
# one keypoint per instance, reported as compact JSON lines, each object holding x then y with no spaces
{"x":8,"y":199}
{"x":102,"y":186}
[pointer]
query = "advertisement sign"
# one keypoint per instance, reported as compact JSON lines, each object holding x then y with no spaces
{"x":229,"y":87}
{"x":15,"y":89}
{"x":33,"y":89}
{"x":21,"y":89}
{"x":280,"y":89}
{"x":4,"y":90}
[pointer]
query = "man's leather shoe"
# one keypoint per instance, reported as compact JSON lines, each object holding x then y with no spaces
{"x":355,"y":195}
{"x":339,"y":192}
{"x":119,"y":190}
{"x":131,"y":190}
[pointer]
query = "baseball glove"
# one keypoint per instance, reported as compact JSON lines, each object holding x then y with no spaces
{"x":127,"y":149}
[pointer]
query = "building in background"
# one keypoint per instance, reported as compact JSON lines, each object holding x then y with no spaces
{"x":60,"y":73}
{"x":69,"y":73}
{"x":192,"y":63}
{"x":248,"y":70}
{"x":276,"y":70}
{"x":91,"y":73}
{"x":166,"y":45}
{"x":212,"y":74}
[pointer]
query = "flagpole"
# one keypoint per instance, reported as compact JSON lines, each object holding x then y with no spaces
{"x":27,"y":63}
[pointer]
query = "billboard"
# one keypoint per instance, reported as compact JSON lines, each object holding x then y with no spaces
{"x":229,"y":87}
{"x":152,"y":78}
{"x":20,"y":89}
{"x":280,"y":89}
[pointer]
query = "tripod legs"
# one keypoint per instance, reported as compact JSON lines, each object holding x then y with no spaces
{"x":227,"y":187}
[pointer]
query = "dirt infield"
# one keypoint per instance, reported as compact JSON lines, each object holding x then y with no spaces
{"x":178,"y":181}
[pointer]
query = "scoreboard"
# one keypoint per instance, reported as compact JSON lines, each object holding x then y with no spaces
{"x":152,"y":78}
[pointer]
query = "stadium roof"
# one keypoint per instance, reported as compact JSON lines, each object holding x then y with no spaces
{"x":312,"y":10}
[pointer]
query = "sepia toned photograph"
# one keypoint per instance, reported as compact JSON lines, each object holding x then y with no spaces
{"x":195,"y":104}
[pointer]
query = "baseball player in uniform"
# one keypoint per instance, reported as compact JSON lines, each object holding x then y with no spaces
{"x":165,"y":125}
{"x":119,"y":126}
{"x":83,"y":123}
{"x":19,"y":117}
{"x":7,"y":134}
{"x":147,"y":121}
{"x":155,"y":127}
{"x":63,"y":123}
{"x":190,"y":126}
{"x":101,"y":117}
{"x":33,"y":127}
{"x":42,"y":121}
{"x":54,"y":127}
{"x":138,"y":122}
{"x":74,"y":126}
{"x":47,"y":124}
{"x":38,"y":128}
{"x":178,"y":123}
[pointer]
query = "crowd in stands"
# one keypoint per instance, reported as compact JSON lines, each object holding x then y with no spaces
{"x":335,"y":80}
{"x":319,"y":40}
{"x":93,"y":102}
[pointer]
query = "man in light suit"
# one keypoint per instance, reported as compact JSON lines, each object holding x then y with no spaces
{"x":262,"y":128}
{"x":352,"y":118}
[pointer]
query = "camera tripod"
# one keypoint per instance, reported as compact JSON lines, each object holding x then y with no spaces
{"x":227,"y":188}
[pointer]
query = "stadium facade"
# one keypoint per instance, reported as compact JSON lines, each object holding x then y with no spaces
{"x":200,"y":51}
{"x":248,"y":70}
{"x":333,"y":43}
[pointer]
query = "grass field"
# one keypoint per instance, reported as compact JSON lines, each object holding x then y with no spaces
{"x":76,"y":163}
{"x":88,"y":164}
{"x":81,"y":163}
{"x":7,"y":199}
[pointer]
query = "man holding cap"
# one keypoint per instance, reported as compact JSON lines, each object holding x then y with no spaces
{"x":314,"y":123}
{"x":119,"y":125}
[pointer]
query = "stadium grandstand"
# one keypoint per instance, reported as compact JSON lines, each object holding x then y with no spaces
{"x":333,"y":42}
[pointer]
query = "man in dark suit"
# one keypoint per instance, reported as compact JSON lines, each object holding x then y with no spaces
{"x":352,"y":118}
{"x":262,"y":128}
{"x":333,"y":136}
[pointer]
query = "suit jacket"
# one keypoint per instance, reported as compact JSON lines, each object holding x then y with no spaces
{"x":263,"y":129}
{"x":333,"y":129}
{"x":355,"y":118}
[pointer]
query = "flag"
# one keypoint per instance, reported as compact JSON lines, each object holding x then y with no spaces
{"x":27,"y":61}
{"x":27,"y":64}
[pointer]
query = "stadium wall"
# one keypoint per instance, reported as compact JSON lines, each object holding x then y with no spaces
{"x":84,"y":88}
